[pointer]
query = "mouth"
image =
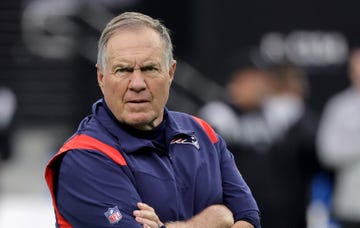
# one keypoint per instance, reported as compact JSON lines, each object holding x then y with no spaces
{"x":137,"y":101}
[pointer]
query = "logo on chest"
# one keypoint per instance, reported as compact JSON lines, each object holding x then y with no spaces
{"x":183,"y":139}
{"x":113,"y":215}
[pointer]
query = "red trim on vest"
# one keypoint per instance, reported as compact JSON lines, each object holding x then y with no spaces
{"x":208,"y":129}
{"x":84,"y":142}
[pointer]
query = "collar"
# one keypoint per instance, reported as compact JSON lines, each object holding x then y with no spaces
{"x":129,"y":142}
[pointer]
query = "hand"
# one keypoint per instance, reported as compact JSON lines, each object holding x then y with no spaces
{"x":147,"y":216}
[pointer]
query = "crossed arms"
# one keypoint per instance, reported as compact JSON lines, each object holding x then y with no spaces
{"x":215,"y":216}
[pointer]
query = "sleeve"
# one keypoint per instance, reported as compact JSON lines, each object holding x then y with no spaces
{"x":93,"y":191}
{"x":237,"y":195}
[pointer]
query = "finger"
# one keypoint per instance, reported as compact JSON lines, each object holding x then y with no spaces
{"x":144,"y":206}
{"x":146,"y":214}
{"x":147,"y":222}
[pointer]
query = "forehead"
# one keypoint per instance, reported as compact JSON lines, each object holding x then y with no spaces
{"x":138,"y":43}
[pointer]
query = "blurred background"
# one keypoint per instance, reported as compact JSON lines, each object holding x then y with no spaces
{"x":48,"y":79}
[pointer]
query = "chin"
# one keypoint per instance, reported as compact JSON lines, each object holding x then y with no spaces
{"x":142,"y":122}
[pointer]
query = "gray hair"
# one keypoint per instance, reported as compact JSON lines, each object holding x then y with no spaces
{"x":132,"y":19}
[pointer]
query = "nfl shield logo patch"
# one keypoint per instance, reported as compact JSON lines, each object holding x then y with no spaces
{"x":113,"y":215}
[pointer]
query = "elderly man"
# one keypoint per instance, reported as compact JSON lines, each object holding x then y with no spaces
{"x":133,"y":163}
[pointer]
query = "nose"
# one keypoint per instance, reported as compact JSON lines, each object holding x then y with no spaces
{"x":137,"y":81}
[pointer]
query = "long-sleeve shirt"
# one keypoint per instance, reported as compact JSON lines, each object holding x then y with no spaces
{"x":339,"y":148}
{"x":191,"y":170}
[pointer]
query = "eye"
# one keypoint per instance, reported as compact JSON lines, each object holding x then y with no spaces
{"x":149,"y":69}
{"x":123,"y":70}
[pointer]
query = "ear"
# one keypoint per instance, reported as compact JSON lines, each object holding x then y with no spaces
{"x":172,"y":70}
{"x":100,"y":76}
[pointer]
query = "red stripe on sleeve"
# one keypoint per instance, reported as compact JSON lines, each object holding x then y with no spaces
{"x":80,"y":141}
{"x":49,"y":176}
{"x":89,"y":143}
{"x":208,"y":129}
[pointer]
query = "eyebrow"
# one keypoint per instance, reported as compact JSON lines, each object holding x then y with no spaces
{"x":151,"y":64}
{"x":130,"y":65}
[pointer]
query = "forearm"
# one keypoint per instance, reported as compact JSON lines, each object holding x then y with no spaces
{"x":242,"y":224}
{"x":215,"y":216}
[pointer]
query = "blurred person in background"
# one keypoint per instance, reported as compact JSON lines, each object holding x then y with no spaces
{"x":133,"y":162}
{"x":339,"y":145}
{"x":7,"y":111}
{"x":273,"y":139}
{"x":8,"y":106}
{"x":292,"y":160}
{"x":247,"y":86}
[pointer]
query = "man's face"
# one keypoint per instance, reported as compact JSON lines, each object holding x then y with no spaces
{"x":136,"y":81}
{"x":247,"y":88}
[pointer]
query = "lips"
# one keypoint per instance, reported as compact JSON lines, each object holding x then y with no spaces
{"x":137,"y":101}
